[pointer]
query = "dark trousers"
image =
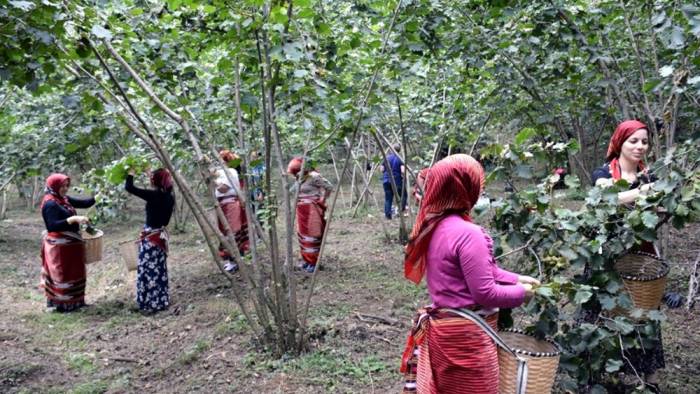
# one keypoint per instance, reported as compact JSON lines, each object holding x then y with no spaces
{"x":389,"y":198}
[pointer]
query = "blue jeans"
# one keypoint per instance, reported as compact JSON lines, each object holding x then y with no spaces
{"x":389,"y":198}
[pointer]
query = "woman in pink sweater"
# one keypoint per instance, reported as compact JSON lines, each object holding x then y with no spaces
{"x":447,"y":353}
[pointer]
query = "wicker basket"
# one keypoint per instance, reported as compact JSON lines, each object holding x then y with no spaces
{"x":644,"y":276}
{"x":129,"y":251}
{"x":93,"y":246}
{"x":542,"y":361}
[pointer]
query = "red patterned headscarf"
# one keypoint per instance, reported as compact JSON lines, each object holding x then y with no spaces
{"x":161,"y":179}
{"x":295,"y":166}
{"x":53,"y":184}
{"x":453,"y":186}
{"x":226,"y":155}
{"x":623,"y":131}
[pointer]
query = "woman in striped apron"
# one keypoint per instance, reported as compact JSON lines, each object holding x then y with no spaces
{"x":311,"y":210}
{"x":63,"y":273}
{"x":446,"y":353}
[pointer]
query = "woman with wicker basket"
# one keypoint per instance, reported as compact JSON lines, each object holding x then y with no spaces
{"x":227,"y":188}
{"x":314,"y":189}
{"x":63,"y":273}
{"x":152,"y":272}
{"x":446,"y":353}
{"x":626,"y":151}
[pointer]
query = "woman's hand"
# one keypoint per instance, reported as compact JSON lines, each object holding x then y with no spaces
{"x":77,"y":219}
{"x":524,"y":279}
{"x":132,"y":172}
{"x":529,"y":291}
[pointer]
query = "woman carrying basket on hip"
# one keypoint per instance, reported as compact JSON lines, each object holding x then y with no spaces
{"x":152,"y":271}
{"x":446,"y":353}
{"x":63,"y":273}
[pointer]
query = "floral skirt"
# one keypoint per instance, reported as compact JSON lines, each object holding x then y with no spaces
{"x":152,"y":278}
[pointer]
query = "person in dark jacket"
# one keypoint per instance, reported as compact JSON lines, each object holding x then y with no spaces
{"x":152,"y":272}
{"x":63,"y":273}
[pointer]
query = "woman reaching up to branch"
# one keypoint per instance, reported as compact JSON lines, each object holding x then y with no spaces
{"x":152,"y":272}
{"x":446,"y":353}
{"x":63,"y":273}
{"x":314,"y":190}
{"x":227,"y":189}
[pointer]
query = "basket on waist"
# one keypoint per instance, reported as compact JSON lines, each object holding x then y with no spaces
{"x":542,"y":357}
{"x":644,"y":276}
{"x":129,"y":252}
{"x":93,"y":246}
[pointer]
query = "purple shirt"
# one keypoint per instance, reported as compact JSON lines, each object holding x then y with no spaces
{"x":461,"y":271}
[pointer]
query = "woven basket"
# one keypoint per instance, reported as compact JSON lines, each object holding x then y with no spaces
{"x":129,"y":251}
{"x":93,"y":246}
{"x":644,"y":276}
{"x":542,"y":361}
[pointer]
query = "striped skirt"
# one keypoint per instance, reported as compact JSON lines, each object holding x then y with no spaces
{"x":449,"y":354}
{"x":63,"y":273}
{"x":311,"y":223}
{"x":237,"y":221}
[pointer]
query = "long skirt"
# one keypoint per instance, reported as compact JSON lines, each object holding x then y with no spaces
{"x":237,"y":221}
{"x":152,"y":277}
{"x":311,"y":223}
{"x":63,"y":273}
{"x":449,"y":354}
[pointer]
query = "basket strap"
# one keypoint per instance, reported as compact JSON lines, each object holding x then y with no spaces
{"x":521,"y":380}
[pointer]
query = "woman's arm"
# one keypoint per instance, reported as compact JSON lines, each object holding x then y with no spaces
{"x":137,"y":191}
{"x":475,"y":260}
{"x":628,"y":196}
{"x":55,"y":217}
{"x":81,"y":202}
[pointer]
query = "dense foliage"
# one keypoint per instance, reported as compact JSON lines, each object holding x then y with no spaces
{"x":526,"y":85}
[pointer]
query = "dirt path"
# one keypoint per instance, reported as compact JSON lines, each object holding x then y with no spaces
{"x":201,"y":344}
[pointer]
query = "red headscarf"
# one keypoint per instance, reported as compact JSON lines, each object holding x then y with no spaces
{"x":226,"y":155}
{"x":295,"y":166}
{"x":53,"y":184}
{"x":453,"y":186}
{"x":161,"y":179}
{"x":623,"y":131}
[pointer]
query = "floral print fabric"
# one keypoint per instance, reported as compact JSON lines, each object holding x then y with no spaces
{"x":152,"y":278}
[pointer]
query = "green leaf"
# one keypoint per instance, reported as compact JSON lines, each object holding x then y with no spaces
{"x":524,"y":135}
{"x":22,"y":5}
{"x":650,"y":219}
{"x":665,"y":71}
{"x":677,"y":39}
{"x":656,"y":315}
{"x":613,"y":365}
{"x":279,"y":15}
{"x":101,"y":32}
{"x":582,"y":296}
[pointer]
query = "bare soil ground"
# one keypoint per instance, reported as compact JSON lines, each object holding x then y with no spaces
{"x":201,"y":344}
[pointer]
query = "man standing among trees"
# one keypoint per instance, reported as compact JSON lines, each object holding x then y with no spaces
{"x":393,"y":168}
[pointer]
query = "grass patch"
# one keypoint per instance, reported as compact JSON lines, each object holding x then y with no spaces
{"x":191,"y":355}
{"x":96,"y":387}
{"x":81,"y":362}
{"x":329,"y":368}
{"x":233,"y":324}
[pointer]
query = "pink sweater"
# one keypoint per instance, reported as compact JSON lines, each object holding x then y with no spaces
{"x":461,"y":270}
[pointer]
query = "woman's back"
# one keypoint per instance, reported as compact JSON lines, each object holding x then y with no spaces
{"x":461,"y":271}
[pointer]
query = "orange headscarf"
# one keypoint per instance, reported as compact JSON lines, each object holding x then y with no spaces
{"x":454,"y":186}
{"x":623,"y":131}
